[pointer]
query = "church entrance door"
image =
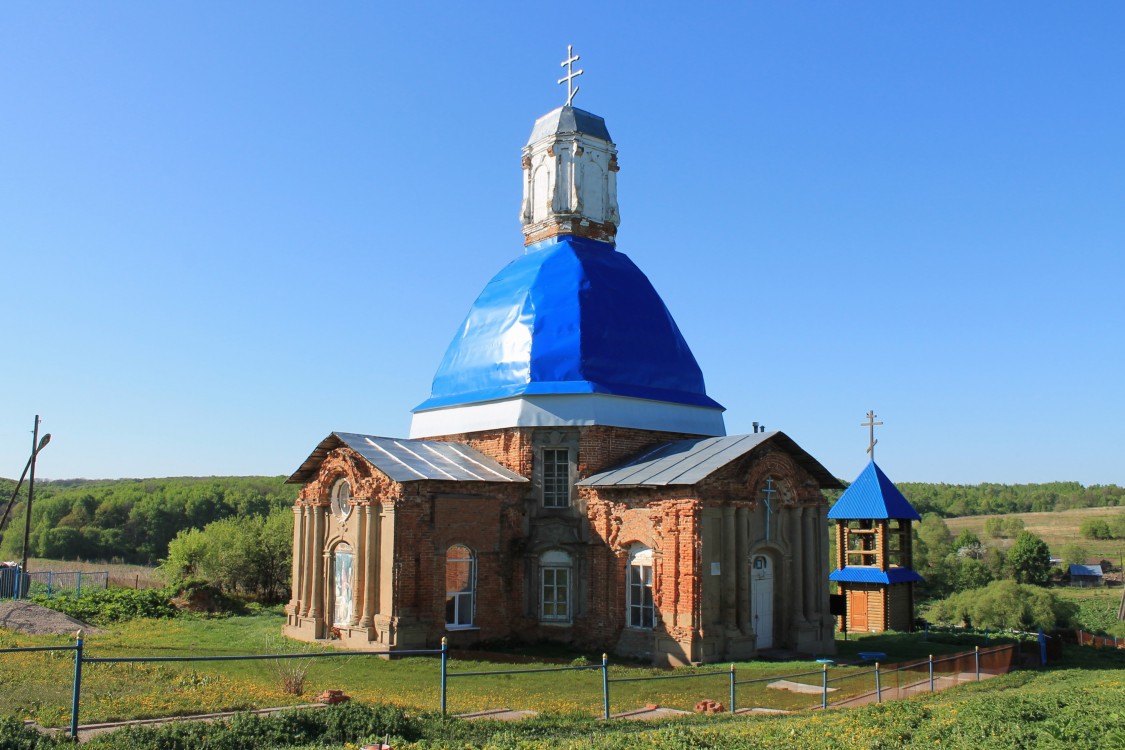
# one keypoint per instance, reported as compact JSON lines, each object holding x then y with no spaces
{"x":761,"y":599}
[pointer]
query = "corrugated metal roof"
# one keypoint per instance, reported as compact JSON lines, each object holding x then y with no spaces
{"x":851,"y":574}
{"x":688,"y":462}
{"x":1086,"y":570}
{"x":873,"y":495}
{"x":403,"y":460}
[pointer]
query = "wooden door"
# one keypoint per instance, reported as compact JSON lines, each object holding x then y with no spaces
{"x":857,"y":610}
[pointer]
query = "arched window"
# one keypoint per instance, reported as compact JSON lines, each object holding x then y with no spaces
{"x":341,"y":495}
{"x":460,"y":586}
{"x":555,"y":586}
{"x":639,"y":610}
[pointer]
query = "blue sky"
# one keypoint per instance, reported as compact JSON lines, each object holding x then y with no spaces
{"x":229,"y":229}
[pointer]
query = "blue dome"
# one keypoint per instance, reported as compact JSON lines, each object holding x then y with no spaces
{"x":571,"y":316}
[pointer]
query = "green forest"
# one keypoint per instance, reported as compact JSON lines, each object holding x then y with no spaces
{"x":130,"y":520}
{"x":133,"y":520}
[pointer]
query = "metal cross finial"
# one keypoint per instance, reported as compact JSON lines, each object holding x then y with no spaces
{"x":571,"y":74}
{"x":871,"y":424}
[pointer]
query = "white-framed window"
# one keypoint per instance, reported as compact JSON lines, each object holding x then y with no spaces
{"x":639,"y":609}
{"x":555,"y":585}
{"x":460,"y":586}
{"x":341,"y":497}
{"x":556,"y":477}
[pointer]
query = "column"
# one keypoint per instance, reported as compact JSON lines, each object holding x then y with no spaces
{"x":308,"y":564}
{"x":294,"y":606}
{"x":359,"y":580}
{"x":316,"y":570}
{"x":742,"y":568}
{"x":814,"y":572}
{"x":728,"y":574}
{"x":798,"y":564}
{"x":371,"y":576}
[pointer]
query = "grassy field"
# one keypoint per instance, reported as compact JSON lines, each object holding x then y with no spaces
{"x":120,"y":575}
{"x":1056,"y":528}
{"x":39,"y":683}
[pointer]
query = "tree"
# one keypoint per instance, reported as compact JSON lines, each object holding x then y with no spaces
{"x":1005,"y":604}
{"x":1030,"y":559}
{"x":934,"y":540}
{"x":968,"y":544}
{"x":1074,"y":553}
{"x":1095,"y":528}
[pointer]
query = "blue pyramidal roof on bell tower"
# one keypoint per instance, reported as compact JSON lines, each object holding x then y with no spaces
{"x":873,"y":495}
{"x":570,"y":316}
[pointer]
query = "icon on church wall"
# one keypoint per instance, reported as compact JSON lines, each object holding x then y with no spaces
{"x":342,"y":613}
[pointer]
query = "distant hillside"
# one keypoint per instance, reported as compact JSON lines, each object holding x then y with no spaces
{"x":950,"y":500}
{"x":131,"y":520}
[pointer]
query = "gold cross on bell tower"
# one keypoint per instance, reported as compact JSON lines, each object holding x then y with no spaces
{"x":871,"y":424}
{"x":571,"y":74}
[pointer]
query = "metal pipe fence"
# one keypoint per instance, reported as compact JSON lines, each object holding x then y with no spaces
{"x":1099,"y":641}
{"x":13,"y":585}
{"x":760,"y":693}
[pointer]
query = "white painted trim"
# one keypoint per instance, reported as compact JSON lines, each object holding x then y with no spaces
{"x":568,"y":410}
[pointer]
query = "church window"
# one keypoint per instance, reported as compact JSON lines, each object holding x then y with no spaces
{"x":640,"y":612}
{"x":460,"y":586}
{"x":555,"y":586}
{"x":556,"y":477}
{"x":341,"y":495}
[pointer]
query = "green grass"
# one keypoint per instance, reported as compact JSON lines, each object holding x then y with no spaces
{"x":1079,"y":705}
{"x":40,"y":683}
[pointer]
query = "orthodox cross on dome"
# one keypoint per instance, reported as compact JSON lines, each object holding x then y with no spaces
{"x":571,"y":74}
{"x":871,"y":424}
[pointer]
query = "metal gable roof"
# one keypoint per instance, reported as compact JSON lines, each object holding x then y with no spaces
{"x":688,"y":462}
{"x":1086,"y":570}
{"x":873,"y":495}
{"x":403,"y":460}
{"x":852,"y":574}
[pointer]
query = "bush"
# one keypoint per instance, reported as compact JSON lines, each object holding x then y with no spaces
{"x":1095,"y":528}
{"x":102,"y":607}
{"x":1004,"y":604}
{"x":15,"y":736}
{"x":346,"y":723}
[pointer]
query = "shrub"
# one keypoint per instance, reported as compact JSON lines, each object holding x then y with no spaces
{"x":102,"y":607}
{"x":15,"y":736}
{"x":1004,"y":604}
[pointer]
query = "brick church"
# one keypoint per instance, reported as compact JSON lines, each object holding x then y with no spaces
{"x":569,"y":479}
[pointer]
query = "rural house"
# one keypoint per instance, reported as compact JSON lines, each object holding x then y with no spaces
{"x":569,"y":478}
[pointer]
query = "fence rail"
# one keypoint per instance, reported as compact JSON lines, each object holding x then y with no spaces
{"x":48,"y":582}
{"x":1099,"y":641}
{"x":895,"y":681}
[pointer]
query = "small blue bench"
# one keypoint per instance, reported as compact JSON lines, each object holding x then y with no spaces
{"x":872,"y":655}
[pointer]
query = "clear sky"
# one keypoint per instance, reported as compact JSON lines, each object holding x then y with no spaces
{"x":228,"y":229}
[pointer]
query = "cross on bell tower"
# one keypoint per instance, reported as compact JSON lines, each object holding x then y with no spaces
{"x":871,"y":424}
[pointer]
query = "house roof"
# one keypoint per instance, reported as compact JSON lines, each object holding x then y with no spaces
{"x":1086,"y":570}
{"x":854,"y":574}
{"x":403,"y":460}
{"x":873,"y":495}
{"x":687,"y":462}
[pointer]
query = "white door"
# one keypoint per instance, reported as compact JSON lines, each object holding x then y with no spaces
{"x":761,"y":599}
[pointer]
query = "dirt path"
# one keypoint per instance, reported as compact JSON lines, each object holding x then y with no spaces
{"x":32,"y":619}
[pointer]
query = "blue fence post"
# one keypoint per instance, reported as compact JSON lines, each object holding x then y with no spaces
{"x":1043,"y":648}
{"x":79,"y":592}
{"x":444,"y":671}
{"x":824,"y":688}
{"x":878,"y":687}
{"x":976,"y":659}
{"x":732,"y":687}
{"x":77,"y":687}
{"x":605,"y":686}
{"x":50,"y":580}
{"x":931,"y":673}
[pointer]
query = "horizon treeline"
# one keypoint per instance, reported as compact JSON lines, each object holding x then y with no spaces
{"x":133,"y":520}
{"x":130,"y":520}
